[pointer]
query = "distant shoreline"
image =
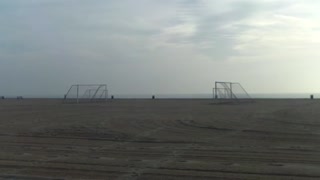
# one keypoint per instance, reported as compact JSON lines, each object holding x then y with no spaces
{"x":181,"y":96}
{"x":109,"y":99}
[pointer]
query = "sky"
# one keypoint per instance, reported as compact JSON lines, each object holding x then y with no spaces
{"x":159,"y":46}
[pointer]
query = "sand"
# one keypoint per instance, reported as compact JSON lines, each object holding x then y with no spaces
{"x":160,"y":139}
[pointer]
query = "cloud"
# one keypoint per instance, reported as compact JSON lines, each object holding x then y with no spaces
{"x":213,"y":27}
{"x":279,"y":33}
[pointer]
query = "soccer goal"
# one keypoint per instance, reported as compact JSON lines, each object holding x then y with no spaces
{"x":230,"y":92}
{"x":80,"y":93}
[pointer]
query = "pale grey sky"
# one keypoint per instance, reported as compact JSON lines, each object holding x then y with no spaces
{"x":159,"y":46}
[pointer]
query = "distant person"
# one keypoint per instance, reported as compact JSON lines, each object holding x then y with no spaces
{"x":2,"y":97}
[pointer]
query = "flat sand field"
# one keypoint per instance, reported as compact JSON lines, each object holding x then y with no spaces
{"x":160,"y":139}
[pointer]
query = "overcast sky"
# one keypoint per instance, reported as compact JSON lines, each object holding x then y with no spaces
{"x":159,"y":46}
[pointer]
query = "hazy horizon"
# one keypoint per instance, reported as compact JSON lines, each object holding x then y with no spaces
{"x":180,"y":96}
{"x":159,"y":47}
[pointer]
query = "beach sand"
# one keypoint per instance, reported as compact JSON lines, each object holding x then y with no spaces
{"x":160,"y":139}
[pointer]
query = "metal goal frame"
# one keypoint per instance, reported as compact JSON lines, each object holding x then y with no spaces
{"x":79,"y":93}
{"x":224,"y":92}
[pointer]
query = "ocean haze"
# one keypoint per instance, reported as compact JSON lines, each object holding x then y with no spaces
{"x":187,"y":96}
{"x":158,"y":47}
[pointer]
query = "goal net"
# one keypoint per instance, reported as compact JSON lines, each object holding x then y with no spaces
{"x":230,"y":92}
{"x":86,"y":93}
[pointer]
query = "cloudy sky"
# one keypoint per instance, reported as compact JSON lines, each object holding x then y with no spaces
{"x":159,"y":46}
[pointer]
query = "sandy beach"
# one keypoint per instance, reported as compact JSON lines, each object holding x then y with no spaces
{"x":159,"y":139}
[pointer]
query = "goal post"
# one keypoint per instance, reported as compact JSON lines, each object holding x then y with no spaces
{"x":79,"y":93}
{"x":230,"y":92}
